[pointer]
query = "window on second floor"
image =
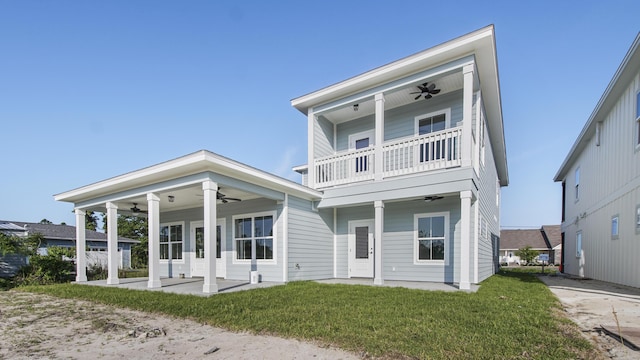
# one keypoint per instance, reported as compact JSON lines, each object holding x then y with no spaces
{"x":431,"y":124}
{"x":614,"y":227}
{"x":638,"y":219}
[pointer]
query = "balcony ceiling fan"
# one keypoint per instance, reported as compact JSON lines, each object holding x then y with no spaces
{"x":428,"y":89}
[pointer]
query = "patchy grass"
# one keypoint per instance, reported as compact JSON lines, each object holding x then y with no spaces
{"x":513,"y":315}
{"x":531,"y":269}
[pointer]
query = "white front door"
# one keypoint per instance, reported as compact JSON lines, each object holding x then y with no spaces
{"x":197,"y":249}
{"x":361,"y":248}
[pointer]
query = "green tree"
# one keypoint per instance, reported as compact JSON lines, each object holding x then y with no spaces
{"x":136,"y":228}
{"x":45,"y":221}
{"x":527,"y":254}
{"x":91,"y":220}
{"x":12,"y":244}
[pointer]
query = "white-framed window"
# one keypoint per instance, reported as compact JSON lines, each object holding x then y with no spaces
{"x":362,"y":140}
{"x":579,"y":244}
{"x":577,"y":186}
{"x":614,"y":226}
{"x":254,"y":231}
{"x":432,"y":122}
{"x":172,"y":241}
{"x":431,"y":234}
{"x":638,"y":219}
{"x":435,"y":149}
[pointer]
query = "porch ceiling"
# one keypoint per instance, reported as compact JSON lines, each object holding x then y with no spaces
{"x":395,"y":98}
{"x":183,"y":198}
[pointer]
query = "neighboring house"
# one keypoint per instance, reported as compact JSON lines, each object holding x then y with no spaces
{"x":405,"y":166}
{"x":62,"y":236}
{"x":545,"y":240}
{"x":601,"y":184}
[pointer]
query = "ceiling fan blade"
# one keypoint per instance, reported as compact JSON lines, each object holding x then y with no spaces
{"x":232,"y":199}
{"x":417,"y":97}
{"x":436,"y":91}
{"x":425,"y":85}
{"x":416,"y":92}
{"x":224,"y":200}
{"x":431,"y":87}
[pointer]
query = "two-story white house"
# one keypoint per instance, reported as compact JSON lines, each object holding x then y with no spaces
{"x":405,"y":166}
{"x":601,"y":184}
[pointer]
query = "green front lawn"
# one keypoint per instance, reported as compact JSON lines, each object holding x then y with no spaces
{"x":513,"y":315}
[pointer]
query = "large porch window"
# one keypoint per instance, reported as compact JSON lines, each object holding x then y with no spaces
{"x":171,"y":241}
{"x":258,"y":228}
{"x":431,"y":235}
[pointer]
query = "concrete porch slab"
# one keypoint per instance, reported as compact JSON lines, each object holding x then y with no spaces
{"x":187,"y":286}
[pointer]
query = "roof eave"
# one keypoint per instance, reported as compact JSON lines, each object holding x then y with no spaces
{"x":189,"y":164}
{"x":627,"y":68}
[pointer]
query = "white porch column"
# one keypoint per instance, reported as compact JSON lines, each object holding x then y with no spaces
{"x":112,"y":244}
{"x":81,"y":245}
{"x":210,"y":190}
{"x":379,"y":98}
{"x":377,"y":234}
{"x":465,"y":237}
{"x":153,"y":205}
{"x":311,"y":169}
{"x":467,"y":114}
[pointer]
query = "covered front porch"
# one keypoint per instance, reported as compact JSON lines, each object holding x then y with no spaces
{"x":196,"y":206}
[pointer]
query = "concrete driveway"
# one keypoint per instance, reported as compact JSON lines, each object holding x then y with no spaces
{"x":594,"y":305}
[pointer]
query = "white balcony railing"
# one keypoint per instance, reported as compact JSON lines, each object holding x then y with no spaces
{"x":429,"y":152}
{"x":345,"y":168}
{"x":438,"y":150}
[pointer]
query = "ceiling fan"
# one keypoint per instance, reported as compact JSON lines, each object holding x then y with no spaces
{"x":136,"y":210}
{"x":428,"y":89}
{"x":433,"y":198}
{"x":224,"y":198}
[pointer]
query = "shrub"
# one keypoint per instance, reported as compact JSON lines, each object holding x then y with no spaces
{"x":55,"y":267}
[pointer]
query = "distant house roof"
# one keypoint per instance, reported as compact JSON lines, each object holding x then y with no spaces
{"x":517,"y":239}
{"x":545,"y":238}
{"x":552,"y":234}
{"x":58,"y":232}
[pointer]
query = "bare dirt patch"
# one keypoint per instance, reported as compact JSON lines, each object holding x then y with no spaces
{"x":42,"y":326}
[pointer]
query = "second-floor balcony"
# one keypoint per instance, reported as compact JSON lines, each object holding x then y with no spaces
{"x":433,"y":151}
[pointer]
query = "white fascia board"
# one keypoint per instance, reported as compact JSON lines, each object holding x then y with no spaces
{"x":622,"y":76}
{"x":462,"y":46}
{"x":197,"y":162}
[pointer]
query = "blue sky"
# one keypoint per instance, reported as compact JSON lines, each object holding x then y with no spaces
{"x":91,"y":90}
